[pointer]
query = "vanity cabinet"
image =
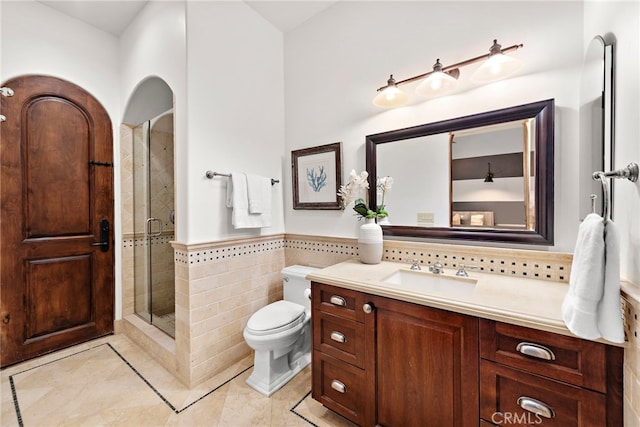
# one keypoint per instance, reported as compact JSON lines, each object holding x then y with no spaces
{"x":383,"y":362}
{"x":539,"y":378}
{"x":380,"y":361}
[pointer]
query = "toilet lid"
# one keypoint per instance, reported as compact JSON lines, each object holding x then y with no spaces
{"x":276,"y":317}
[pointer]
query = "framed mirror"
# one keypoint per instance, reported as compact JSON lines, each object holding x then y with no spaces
{"x":483,"y":177}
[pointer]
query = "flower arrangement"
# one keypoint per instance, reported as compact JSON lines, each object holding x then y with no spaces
{"x":351,"y":192}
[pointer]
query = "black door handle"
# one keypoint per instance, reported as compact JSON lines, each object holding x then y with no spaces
{"x":104,"y":235}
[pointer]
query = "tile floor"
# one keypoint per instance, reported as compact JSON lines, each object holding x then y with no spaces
{"x":112,"y":382}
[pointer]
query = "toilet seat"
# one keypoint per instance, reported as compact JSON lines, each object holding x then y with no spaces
{"x":276,"y":317}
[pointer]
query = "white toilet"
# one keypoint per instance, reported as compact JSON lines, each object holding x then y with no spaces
{"x":280,"y":333}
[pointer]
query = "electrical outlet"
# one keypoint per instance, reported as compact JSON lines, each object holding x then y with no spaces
{"x":425,"y":218}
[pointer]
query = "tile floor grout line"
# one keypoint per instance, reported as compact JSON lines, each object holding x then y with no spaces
{"x":14,"y":393}
{"x":16,"y":406}
{"x":293,"y":409}
{"x":215,"y":389}
{"x":56,"y":360}
{"x":164,"y":399}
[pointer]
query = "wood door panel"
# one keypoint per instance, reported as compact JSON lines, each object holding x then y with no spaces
{"x":57,"y":186}
{"x":58,"y":294}
{"x":56,"y":183}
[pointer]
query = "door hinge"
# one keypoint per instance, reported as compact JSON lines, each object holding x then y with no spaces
{"x":94,"y":163}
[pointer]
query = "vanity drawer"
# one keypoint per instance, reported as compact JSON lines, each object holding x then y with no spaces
{"x":340,"y":338}
{"x":528,"y":399}
{"x":569,"y":359}
{"x":339,"y":386}
{"x":338,"y":301}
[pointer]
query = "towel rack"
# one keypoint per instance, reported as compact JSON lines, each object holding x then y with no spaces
{"x":211,"y":174}
{"x":629,"y":172}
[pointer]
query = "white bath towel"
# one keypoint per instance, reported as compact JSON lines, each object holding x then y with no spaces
{"x":238,"y":200}
{"x":591,"y":308}
{"x":259,"y":192}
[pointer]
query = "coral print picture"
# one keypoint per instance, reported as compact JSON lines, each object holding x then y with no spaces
{"x":316,"y":175}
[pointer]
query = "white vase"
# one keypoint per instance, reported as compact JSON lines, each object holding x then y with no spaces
{"x":370,"y":242}
{"x":384,"y":221}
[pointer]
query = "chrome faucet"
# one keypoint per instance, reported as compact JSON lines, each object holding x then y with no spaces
{"x":437,"y":267}
{"x":415,"y":265}
{"x":462,"y":272}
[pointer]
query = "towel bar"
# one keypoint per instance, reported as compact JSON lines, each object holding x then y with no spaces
{"x":211,"y":174}
{"x":629,"y":172}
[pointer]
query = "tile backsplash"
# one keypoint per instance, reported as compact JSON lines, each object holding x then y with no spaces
{"x":540,"y":265}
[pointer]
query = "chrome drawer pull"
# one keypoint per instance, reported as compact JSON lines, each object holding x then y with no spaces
{"x":536,"y":350}
{"x":532,"y":405}
{"x":336,"y":300}
{"x":338,"y":386}
{"x":337,"y":336}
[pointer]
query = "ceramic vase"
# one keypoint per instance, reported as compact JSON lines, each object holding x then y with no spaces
{"x":370,"y":242}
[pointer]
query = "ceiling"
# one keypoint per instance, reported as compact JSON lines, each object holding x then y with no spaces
{"x":115,"y":16}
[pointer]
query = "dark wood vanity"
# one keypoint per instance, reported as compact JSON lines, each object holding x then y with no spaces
{"x":381,"y":361}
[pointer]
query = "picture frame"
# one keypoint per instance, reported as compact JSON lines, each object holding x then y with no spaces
{"x":316,"y":177}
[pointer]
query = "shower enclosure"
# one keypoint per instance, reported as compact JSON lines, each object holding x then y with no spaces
{"x":154,"y":219}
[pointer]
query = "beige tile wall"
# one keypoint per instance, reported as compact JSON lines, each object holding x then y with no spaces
{"x":631,"y":298}
{"x":219,"y":285}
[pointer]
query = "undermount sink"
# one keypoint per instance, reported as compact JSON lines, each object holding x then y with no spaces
{"x":426,"y":282}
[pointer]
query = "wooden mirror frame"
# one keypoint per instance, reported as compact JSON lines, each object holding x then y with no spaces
{"x":543,"y":112}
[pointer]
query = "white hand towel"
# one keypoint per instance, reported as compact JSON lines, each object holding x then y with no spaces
{"x":237,"y":198}
{"x":259,"y":191}
{"x":586,"y":306}
{"x":610,"y":323}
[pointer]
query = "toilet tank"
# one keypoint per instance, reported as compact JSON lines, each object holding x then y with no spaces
{"x":294,"y":284}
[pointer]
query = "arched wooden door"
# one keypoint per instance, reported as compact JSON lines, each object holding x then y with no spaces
{"x":56,"y":223}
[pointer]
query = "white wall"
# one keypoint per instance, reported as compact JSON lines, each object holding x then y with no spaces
{"x":336,"y":61}
{"x":236,"y":112}
{"x":623,"y":20}
{"x":155,"y":44}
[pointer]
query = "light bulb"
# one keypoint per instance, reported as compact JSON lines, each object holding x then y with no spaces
{"x":437,"y":83}
{"x":390,"y":96}
{"x":497,"y":66}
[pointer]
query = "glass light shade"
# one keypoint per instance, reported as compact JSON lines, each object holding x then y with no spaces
{"x":436,"y":84}
{"x":497,"y":67}
{"x":390,"y":97}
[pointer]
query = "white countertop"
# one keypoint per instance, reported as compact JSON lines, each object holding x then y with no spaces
{"x":515,"y":300}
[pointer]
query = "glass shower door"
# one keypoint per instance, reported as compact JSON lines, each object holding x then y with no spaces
{"x":154,"y":219}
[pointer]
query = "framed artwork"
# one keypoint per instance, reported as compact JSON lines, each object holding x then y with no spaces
{"x":317,"y":175}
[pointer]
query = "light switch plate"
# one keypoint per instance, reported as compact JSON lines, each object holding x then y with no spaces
{"x":425,"y":219}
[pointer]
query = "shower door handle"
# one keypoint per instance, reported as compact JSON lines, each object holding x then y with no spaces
{"x":148,"y":230}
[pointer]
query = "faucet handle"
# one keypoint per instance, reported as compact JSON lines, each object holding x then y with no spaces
{"x":462,"y":272}
{"x":415,"y":265}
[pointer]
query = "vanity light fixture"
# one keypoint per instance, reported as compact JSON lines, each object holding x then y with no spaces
{"x":497,"y":66}
{"x":390,"y":96}
{"x":438,"y":82}
{"x":489,"y":176}
{"x":443,"y":79}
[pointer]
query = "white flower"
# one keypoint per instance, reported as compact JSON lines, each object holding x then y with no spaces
{"x":353,"y":189}
{"x":385,"y":183}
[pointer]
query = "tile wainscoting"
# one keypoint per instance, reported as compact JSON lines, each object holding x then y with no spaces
{"x":219,"y":285}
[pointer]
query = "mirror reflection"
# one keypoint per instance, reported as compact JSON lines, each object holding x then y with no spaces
{"x":483,"y":177}
{"x":492,"y":182}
